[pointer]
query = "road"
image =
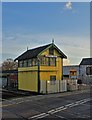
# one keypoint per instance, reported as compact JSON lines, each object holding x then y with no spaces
{"x":66,"y":106}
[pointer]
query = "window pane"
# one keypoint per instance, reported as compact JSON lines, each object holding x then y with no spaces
{"x":52,"y":61}
{"x":25,"y":63}
{"x":20,"y":63}
{"x":29,"y":63}
{"x":52,"y":80}
{"x":44,"y":61}
{"x":34,"y":62}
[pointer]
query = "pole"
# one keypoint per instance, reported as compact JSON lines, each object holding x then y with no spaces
{"x":38,"y":75}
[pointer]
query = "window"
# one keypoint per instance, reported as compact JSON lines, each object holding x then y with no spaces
{"x":48,"y":61}
{"x":52,"y":80}
{"x":34,"y":62}
{"x":20,"y":63}
{"x":44,"y":61}
{"x":25,"y":63}
{"x":29,"y":63}
{"x":89,"y":71}
{"x":52,"y":61}
{"x":73,"y":73}
{"x":51,"y":51}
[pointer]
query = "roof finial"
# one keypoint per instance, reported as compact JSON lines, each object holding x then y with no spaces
{"x":53,"y":41}
{"x":27,"y":48}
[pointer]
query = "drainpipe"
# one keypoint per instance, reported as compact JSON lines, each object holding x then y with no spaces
{"x":38,"y":75}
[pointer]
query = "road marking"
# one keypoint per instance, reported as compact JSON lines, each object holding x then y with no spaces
{"x":39,"y":115}
{"x":43,"y":116}
{"x":69,"y":105}
{"x":58,"y":110}
{"x":53,"y":111}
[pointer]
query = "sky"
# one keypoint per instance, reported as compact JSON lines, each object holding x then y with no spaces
{"x":33,"y":24}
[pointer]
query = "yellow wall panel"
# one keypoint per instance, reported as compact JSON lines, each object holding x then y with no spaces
{"x":28,"y":81}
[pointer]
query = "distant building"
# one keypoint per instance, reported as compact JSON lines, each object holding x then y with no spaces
{"x":9,"y":79}
{"x":82,"y":71}
{"x":71,"y":72}
{"x":39,"y":69}
{"x":85,"y":70}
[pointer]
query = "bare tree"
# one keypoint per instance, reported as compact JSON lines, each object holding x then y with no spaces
{"x":9,"y":64}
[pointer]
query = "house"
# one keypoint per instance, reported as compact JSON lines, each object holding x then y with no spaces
{"x":9,"y":79}
{"x":70,"y":72}
{"x":85,"y":70}
{"x":39,"y":67}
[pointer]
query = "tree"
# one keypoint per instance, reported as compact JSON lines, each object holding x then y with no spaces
{"x":9,"y":64}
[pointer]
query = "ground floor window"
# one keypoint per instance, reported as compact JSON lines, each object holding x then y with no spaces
{"x":52,"y":80}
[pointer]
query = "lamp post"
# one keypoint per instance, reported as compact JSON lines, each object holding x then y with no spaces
{"x":38,"y":75}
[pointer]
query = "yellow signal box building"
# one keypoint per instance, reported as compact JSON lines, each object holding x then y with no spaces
{"x":40,"y":64}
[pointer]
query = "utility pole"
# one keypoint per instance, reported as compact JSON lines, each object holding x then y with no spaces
{"x":38,"y":75}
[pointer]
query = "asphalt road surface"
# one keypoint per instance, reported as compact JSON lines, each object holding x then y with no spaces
{"x":66,"y":106}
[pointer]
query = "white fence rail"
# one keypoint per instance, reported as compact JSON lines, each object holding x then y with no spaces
{"x":53,"y":86}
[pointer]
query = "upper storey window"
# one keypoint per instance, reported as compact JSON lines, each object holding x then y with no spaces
{"x":89,"y":71}
{"x":28,"y":63}
{"x":51,"y":51}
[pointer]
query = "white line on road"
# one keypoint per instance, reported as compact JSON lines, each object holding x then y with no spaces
{"x":53,"y":111}
{"x":39,"y":115}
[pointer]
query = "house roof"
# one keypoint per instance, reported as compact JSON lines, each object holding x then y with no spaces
{"x":86,"y":61}
{"x":9,"y":71}
{"x":33,"y":53}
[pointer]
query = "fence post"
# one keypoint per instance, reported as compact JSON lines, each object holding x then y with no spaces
{"x":46,"y":87}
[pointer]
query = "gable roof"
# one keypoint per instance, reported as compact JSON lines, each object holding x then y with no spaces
{"x":86,"y":61}
{"x":33,"y":53}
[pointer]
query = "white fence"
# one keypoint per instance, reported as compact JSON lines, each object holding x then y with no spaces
{"x":53,"y":86}
{"x":72,"y":85}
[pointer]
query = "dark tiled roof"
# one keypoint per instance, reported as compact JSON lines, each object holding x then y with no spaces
{"x":32,"y":53}
{"x":86,"y":61}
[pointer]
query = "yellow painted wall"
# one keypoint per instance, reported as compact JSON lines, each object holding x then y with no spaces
{"x":28,"y":79}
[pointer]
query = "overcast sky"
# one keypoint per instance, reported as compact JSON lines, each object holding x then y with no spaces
{"x":35,"y":24}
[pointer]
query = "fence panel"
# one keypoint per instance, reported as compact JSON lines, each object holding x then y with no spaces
{"x":63,"y":86}
{"x":43,"y":86}
{"x":53,"y":86}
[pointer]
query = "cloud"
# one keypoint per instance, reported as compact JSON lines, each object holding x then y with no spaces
{"x":68,"y":5}
{"x":72,"y":46}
